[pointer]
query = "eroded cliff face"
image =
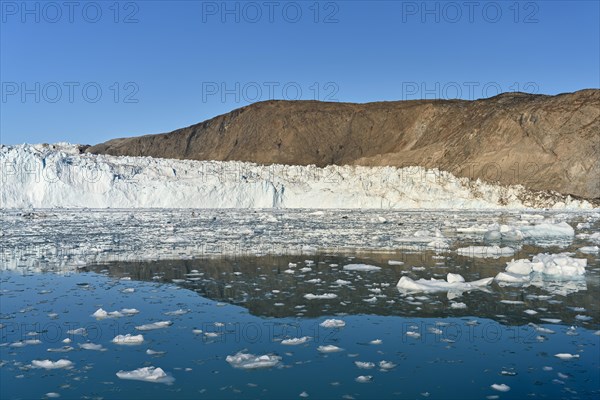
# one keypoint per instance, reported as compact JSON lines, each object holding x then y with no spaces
{"x":542,"y":142}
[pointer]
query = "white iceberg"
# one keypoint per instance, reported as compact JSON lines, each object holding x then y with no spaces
{"x":47,"y":364}
{"x":92,"y":346}
{"x":361,"y":267}
{"x":501,"y":387}
{"x":128,"y":339}
{"x":154,"y":325}
{"x":295,"y":341}
{"x":102,"y":314}
{"x":333,"y":323}
{"x":364,"y":365}
{"x":250,"y":361}
{"x":454,"y":282}
{"x":325,"y":296}
{"x":147,"y":374}
{"x":486,"y":251}
{"x":329,"y":349}
{"x":566,"y":356}
{"x":589,"y":249}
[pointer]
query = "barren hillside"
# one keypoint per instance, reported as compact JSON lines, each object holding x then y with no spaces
{"x":543,"y":142}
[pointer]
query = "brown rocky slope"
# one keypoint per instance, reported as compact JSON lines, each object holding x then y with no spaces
{"x":542,"y":142}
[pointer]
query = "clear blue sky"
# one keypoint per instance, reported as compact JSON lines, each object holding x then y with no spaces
{"x":164,"y":65}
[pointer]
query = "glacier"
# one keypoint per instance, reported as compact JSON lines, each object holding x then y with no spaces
{"x":60,"y":176}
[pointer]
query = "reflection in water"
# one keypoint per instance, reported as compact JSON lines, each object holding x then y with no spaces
{"x":276,"y":286}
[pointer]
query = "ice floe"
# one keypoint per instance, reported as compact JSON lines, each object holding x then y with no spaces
{"x":501,"y":387}
{"x":92,"y":346}
{"x":325,"y":296}
{"x":251,"y":361}
{"x":154,"y":325}
{"x":295,"y":341}
{"x":361,"y":267}
{"x":47,"y":364}
{"x":147,"y":374}
{"x":486,"y":251}
{"x":453,"y":282}
{"x":128,"y":339}
{"x":333,"y":323}
{"x":329,"y":348}
{"x":556,"y":273}
{"x":566,"y":356}
{"x":102,"y":314}
{"x":364,"y":364}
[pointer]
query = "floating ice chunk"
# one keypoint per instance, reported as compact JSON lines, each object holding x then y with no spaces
{"x":566,"y":356}
{"x":316,"y":280}
{"x":511,"y":278}
{"x":541,"y":329}
{"x":325,"y":296}
{"x":66,"y":340}
{"x":329,"y":349}
{"x":147,"y":374}
{"x":63,"y":349}
{"x":551,"y":320}
{"x":412,"y":334}
{"x":522,"y":267}
{"x":333,"y":323}
{"x":453,"y":278}
{"x":501,"y":387}
{"x":47,"y":364}
{"x":52,"y":395}
{"x":92,"y":346}
{"x":386,"y":364}
{"x":295,"y":341}
{"x":306,"y":269}
{"x":547,"y":230}
{"x":342,"y":282}
{"x":458,"y":306}
{"x":250,"y":361}
{"x":129,"y":311}
{"x":557,"y":273}
{"x":436,"y":285}
{"x":27,"y":342}
{"x":177,"y":312}
{"x":376,"y":341}
{"x":78,"y":331}
{"x":513,"y":302}
{"x":364,"y":365}
{"x":394,"y":262}
{"x":101,"y":314}
{"x":289,"y":271}
{"x":303,"y":395}
{"x":154,"y":325}
{"x":559,"y":265}
{"x":151,"y":352}
{"x":361,"y":267}
{"x":364,"y":378}
{"x":492,"y":235}
{"x":486,"y":251}
{"x":371,"y":299}
{"x":530,"y":312}
{"x":128,"y":290}
{"x":589,"y":249}
{"x":128,"y":339}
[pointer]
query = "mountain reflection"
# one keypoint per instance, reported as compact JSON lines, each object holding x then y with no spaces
{"x":262,"y":285}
